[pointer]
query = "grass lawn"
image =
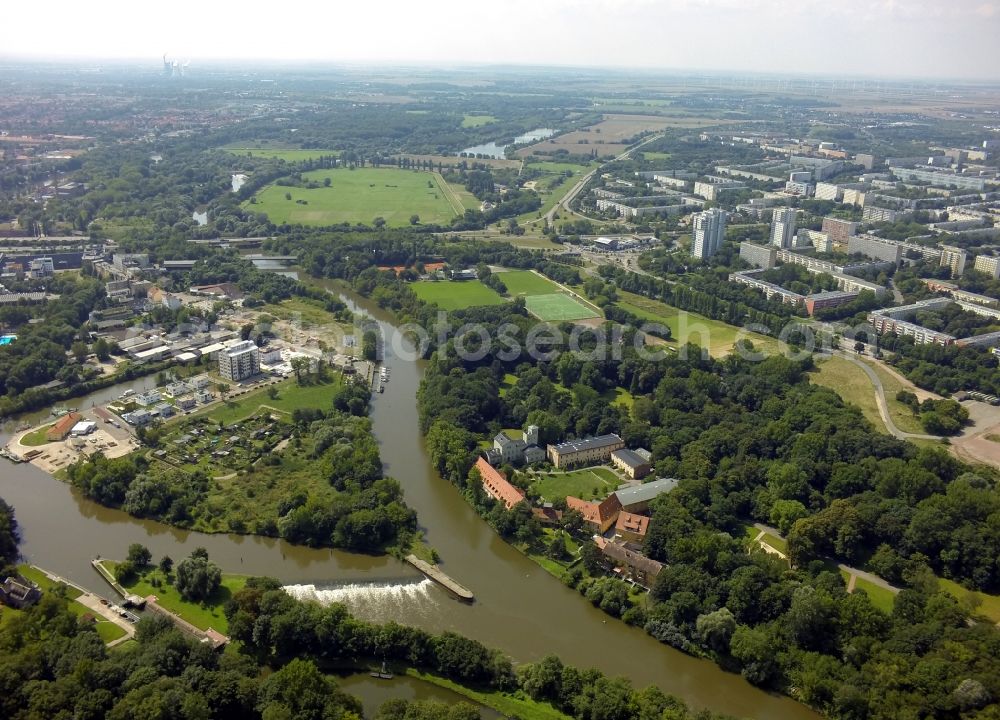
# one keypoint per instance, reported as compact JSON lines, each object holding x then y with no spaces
{"x":202,"y":615}
{"x":716,"y":335}
{"x":515,"y":704}
{"x":509,"y":381}
{"x":525,"y":282}
{"x":852,"y":384}
{"x":36,"y":437}
{"x":291,"y":395}
{"x":901,"y":415}
{"x":456,"y":294}
{"x":776,"y":542}
{"x":474,"y":121}
{"x":106,"y":629}
{"x":557,"y":307}
{"x":586,"y":484}
{"x":42,"y":580}
{"x":305,"y":310}
{"x":881,"y":598}
{"x":989,"y":604}
{"x":287,"y":154}
{"x":359,"y":196}
{"x":623,"y":398}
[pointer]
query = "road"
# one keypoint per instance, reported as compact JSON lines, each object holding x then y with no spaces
{"x":571,"y":195}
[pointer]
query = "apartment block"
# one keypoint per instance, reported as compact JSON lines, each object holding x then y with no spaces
{"x":875,"y":247}
{"x":839,"y":230}
{"x":240,"y":361}
{"x":783,"y":227}
{"x":758,"y":255}
{"x":989,"y":264}
{"x":953,"y":258}
{"x":708,"y":230}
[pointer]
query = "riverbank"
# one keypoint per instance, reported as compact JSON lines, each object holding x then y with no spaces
{"x":207,"y":615}
{"x":508,"y":704}
{"x":520,"y":609}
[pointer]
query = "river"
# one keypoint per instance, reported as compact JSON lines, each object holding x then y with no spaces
{"x":519,"y":607}
{"x":493,"y":150}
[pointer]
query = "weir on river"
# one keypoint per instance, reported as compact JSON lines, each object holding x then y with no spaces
{"x":519,"y":608}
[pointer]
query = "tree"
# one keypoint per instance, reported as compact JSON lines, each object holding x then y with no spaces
{"x":300,"y":690}
{"x":288,"y":196}
{"x":716,"y":629}
{"x":197,"y":578}
{"x":79,"y":350}
{"x":327,"y":182}
{"x":859,"y":347}
{"x":139,"y":555}
{"x":166,"y":564}
{"x":378,"y":223}
{"x":757,"y":651}
{"x":414,"y":219}
{"x":102,"y":349}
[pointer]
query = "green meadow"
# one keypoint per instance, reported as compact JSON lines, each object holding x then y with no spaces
{"x":456,"y":294}
{"x":358,"y":196}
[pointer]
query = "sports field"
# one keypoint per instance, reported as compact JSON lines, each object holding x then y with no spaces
{"x":557,"y":307}
{"x":525,"y":282}
{"x":359,"y":196}
{"x":456,"y":295}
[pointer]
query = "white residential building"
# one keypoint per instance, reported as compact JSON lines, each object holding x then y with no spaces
{"x":708,"y":232}
{"x":989,"y":264}
{"x":240,"y":361}
{"x":783,"y":228}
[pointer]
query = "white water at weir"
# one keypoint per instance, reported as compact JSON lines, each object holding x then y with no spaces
{"x":381,"y":601}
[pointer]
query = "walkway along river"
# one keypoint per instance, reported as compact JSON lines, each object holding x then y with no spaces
{"x":519,"y":608}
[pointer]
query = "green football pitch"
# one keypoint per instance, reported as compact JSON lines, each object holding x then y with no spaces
{"x":557,"y":307}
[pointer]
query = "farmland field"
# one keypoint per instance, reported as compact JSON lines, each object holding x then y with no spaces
{"x":288,"y":154}
{"x":474,"y":121}
{"x":525,"y":282}
{"x":359,"y":196}
{"x":456,"y":295}
{"x":557,"y":307}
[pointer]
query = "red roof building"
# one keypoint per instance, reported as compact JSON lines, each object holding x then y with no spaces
{"x":600,"y":516}
{"x":630,"y":526}
{"x":496,"y":485}
{"x":61,"y":428}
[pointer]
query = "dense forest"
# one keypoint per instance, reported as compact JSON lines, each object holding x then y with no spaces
{"x":749,"y":441}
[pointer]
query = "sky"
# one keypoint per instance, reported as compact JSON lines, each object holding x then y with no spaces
{"x":884,"y":38}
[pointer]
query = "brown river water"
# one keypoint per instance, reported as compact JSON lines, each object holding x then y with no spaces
{"x":519,"y":608}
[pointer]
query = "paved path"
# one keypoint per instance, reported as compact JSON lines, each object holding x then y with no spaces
{"x":883,"y":406}
{"x":853,"y":573}
{"x":93,"y":602}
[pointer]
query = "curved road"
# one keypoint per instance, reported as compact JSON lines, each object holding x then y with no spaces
{"x":883,"y":406}
{"x":571,"y":195}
